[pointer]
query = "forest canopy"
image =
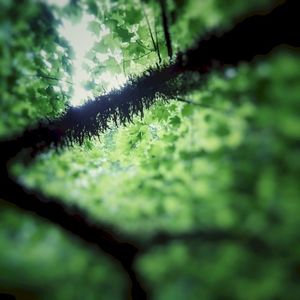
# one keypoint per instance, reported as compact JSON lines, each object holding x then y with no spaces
{"x":163,"y":165}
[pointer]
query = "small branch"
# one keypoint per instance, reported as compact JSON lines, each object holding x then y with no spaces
{"x":124,"y":68}
{"x":50,"y":77}
{"x":192,"y":102}
{"x":253,"y":243}
{"x":128,"y":60}
{"x":139,"y":57}
{"x":165,"y":23}
{"x":151,"y":34}
{"x":143,"y":46}
{"x":200,"y":104}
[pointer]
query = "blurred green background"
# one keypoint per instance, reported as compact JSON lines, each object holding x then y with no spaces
{"x":232,"y":162}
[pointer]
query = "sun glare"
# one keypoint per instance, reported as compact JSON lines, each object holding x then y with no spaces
{"x":82,"y":40}
{"x":59,"y":3}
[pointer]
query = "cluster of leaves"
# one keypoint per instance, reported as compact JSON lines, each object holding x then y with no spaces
{"x":124,"y":46}
{"x":38,"y":261}
{"x":130,"y":34}
{"x":34,"y":66}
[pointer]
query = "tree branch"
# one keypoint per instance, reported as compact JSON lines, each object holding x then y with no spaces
{"x":119,"y":246}
{"x":256,"y":35}
{"x":165,"y":24}
{"x":123,"y":248}
{"x":212,"y":235}
{"x":51,"y":78}
{"x":143,"y":46}
{"x":139,"y":57}
{"x":199,"y":104}
{"x":155,"y":45}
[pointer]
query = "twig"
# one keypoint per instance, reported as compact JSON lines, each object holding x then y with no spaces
{"x":124,"y":68}
{"x":51,"y":78}
{"x":211,"y":235}
{"x":143,"y":46}
{"x":139,"y":57}
{"x":200,"y":104}
{"x":151,"y":34}
{"x":165,"y":23}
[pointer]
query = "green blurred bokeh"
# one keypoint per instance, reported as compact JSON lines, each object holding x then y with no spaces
{"x":232,"y":163}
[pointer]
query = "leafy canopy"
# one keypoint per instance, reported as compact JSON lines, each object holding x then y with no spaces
{"x":228,"y":159}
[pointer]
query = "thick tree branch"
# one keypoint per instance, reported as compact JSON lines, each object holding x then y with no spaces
{"x":123,"y":248}
{"x":119,"y":246}
{"x":256,"y":35}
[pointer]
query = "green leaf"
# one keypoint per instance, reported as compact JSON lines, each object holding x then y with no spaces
{"x":175,"y":121}
{"x":94,"y":27}
{"x":124,"y":34}
{"x":133,"y":16}
{"x":187,"y":110}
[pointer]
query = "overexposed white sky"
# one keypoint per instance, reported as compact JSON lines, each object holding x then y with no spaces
{"x":59,"y":3}
{"x":82,"y":40}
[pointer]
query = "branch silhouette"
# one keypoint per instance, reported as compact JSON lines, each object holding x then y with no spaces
{"x":72,"y":219}
{"x":254,"y":36}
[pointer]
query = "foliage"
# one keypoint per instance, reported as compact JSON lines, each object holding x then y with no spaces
{"x":228,"y":159}
{"x":44,"y":263}
{"x":34,"y":65}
